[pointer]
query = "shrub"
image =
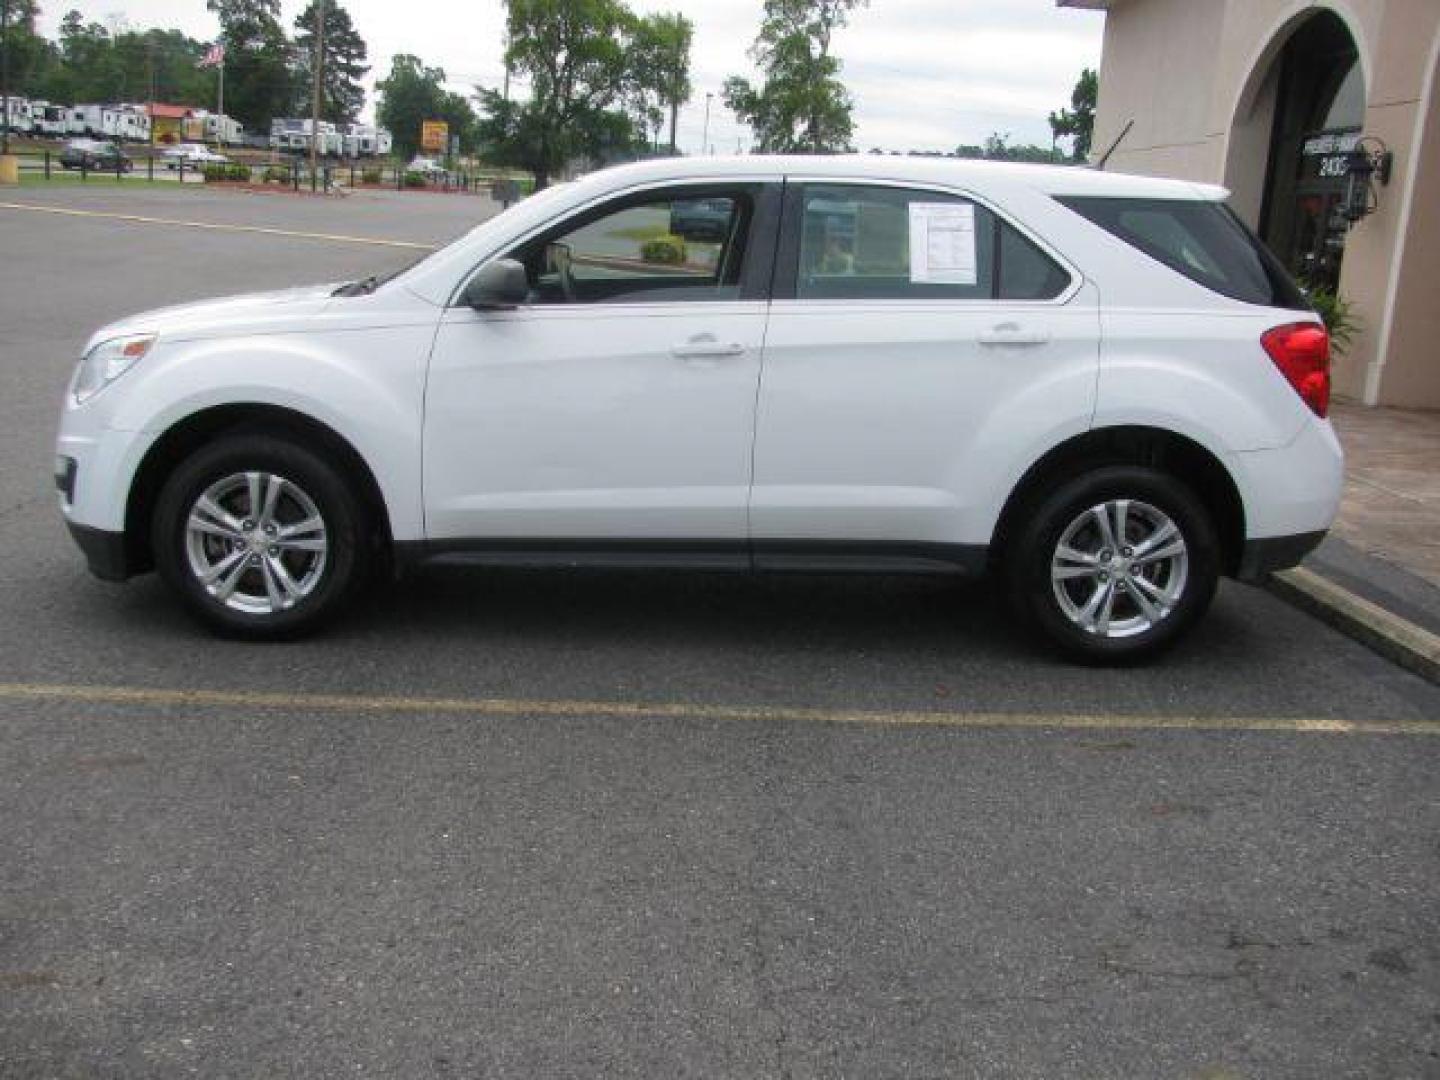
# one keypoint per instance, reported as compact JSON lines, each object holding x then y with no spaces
{"x":1338,"y":315}
{"x":232,"y":173}
{"x":370,"y":176}
{"x":414,"y":179}
{"x":277,"y":174}
{"x":669,"y":250}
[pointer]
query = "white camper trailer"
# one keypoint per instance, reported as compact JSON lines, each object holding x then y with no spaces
{"x":47,"y":119}
{"x":202,"y":126}
{"x":108,"y":121}
{"x":20,"y":115}
{"x":365,"y":140}
{"x":290,"y":133}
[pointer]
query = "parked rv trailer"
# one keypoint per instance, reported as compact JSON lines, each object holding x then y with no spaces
{"x":47,"y":119}
{"x":20,"y":115}
{"x":108,"y":121}
{"x":364,"y":140}
{"x":357,"y":140}
{"x":202,"y":126}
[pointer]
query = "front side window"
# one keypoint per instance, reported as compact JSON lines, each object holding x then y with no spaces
{"x":679,"y":246}
{"x":883,"y":243}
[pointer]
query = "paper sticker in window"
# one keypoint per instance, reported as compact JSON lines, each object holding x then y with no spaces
{"x":942,"y":243}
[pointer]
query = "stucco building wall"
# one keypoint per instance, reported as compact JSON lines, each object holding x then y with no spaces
{"x":1200,"y":77}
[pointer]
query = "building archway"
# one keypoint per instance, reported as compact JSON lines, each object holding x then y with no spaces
{"x":1302,"y":109}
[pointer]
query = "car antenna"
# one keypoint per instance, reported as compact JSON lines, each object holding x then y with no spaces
{"x":1099,"y":166}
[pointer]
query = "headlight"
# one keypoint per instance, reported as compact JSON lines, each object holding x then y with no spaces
{"x":106,"y":362}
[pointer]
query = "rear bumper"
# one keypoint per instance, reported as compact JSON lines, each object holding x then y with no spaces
{"x":104,"y":551}
{"x":1264,"y":556}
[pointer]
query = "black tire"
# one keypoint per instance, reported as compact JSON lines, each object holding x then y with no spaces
{"x":318,"y":479}
{"x":1034,"y":592}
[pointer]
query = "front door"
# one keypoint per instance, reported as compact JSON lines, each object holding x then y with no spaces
{"x":619,"y":401}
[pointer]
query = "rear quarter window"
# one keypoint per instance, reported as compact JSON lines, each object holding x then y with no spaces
{"x":1205,"y":241}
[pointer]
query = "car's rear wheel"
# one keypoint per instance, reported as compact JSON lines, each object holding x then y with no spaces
{"x":1115,"y":565}
{"x":259,"y":536}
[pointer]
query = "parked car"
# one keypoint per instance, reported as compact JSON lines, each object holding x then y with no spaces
{"x":1101,"y":388}
{"x":701,"y":219}
{"x":93,"y":155}
{"x":426,"y":167}
{"x":193,"y":155}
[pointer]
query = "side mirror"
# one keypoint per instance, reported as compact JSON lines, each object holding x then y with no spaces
{"x":500,"y":285}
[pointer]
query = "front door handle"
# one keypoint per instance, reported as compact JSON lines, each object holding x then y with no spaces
{"x":706,"y":347}
{"x":1012,"y":333}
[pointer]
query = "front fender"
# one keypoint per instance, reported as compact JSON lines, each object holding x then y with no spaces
{"x":367,"y":387}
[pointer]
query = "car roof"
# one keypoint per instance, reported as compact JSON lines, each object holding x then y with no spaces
{"x":960,"y":172}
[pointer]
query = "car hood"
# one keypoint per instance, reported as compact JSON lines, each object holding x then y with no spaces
{"x":231,"y":316}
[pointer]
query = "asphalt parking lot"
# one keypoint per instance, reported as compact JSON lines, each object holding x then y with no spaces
{"x":508,"y":824}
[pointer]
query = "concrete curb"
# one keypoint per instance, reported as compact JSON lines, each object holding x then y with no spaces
{"x":1398,"y":640}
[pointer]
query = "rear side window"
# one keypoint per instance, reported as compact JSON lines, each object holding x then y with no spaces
{"x":1026,"y":272}
{"x":1205,"y":241}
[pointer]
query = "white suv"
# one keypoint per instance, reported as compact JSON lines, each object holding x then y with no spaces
{"x":1101,"y":386}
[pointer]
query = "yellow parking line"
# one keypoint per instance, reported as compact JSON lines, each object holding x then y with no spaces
{"x":635,"y":710}
{"x":335,"y":238}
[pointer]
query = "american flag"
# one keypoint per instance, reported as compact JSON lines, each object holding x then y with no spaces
{"x":214,"y":56}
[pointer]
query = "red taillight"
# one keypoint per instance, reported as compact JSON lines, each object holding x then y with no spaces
{"x":1302,"y":353}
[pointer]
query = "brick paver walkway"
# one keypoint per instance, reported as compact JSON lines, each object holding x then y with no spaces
{"x":1391,"y":507}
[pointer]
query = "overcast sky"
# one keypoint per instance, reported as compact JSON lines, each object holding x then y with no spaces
{"x":925,"y":74}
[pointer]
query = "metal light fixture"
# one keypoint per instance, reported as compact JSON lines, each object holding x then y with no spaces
{"x":1371,"y":159}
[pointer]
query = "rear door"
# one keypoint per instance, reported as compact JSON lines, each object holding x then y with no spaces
{"x":919,"y":343}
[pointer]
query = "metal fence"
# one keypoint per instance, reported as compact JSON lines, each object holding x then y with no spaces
{"x":280,"y":172}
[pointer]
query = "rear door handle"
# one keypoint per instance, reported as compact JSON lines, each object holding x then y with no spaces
{"x":705,"y":347}
{"x":1011,"y":333}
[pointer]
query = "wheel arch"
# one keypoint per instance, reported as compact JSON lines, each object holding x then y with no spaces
{"x":1159,"y":448}
{"x":205,"y":425}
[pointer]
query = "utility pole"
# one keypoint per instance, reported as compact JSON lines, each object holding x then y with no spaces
{"x":506,"y":92}
{"x":5,"y":76}
{"x":150,"y":77}
{"x":705,"y":140}
{"x":220,"y":105}
{"x":319,"y":78}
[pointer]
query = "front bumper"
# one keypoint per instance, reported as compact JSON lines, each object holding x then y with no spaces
{"x":104,"y":551}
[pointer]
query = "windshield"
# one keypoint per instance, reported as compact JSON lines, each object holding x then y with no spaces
{"x":499,"y":224}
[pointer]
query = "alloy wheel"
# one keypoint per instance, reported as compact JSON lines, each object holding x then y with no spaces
{"x":256,"y":542}
{"x":1119,"y":568}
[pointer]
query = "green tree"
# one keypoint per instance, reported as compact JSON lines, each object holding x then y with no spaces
{"x":1078,"y":121}
{"x":578,"y":56}
{"x":28,"y":55}
{"x":413,"y":93}
{"x":998,"y":147}
{"x":258,"y":75}
{"x":660,"y":67}
{"x":802,"y":107}
{"x":342,"y":67}
{"x":165,"y":60}
{"x":459,"y":114}
{"x":94,"y":70}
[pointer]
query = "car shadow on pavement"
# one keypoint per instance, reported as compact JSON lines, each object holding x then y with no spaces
{"x":874,"y":642}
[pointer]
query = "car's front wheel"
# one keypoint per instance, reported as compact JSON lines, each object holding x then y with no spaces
{"x":261,"y":537}
{"x":1115,"y":564}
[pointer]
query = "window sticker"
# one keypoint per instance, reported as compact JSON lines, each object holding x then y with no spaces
{"x":942,"y":244}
